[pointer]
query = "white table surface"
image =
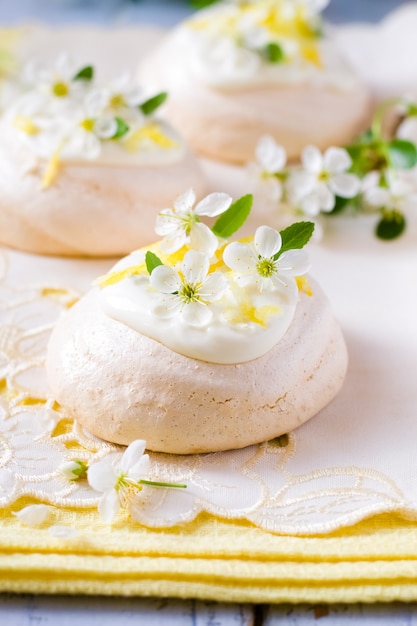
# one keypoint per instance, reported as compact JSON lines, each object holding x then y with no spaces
{"x":30,"y":610}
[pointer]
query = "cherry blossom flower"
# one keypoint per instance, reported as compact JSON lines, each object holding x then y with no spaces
{"x":397,"y":195}
{"x":271,"y":159}
{"x":190,"y":292}
{"x":56,"y":82}
{"x":181,"y":224}
{"x":321,"y":178}
{"x":118,"y":482}
{"x":260,"y":262}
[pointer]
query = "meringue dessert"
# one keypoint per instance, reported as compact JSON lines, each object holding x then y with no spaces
{"x":242,"y":69}
{"x":86,"y":167}
{"x":198,"y":344}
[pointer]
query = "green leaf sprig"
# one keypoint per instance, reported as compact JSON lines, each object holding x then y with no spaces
{"x":86,"y":73}
{"x":231,"y":220}
{"x":149,"y":106}
{"x":295,"y":237}
{"x":374,"y":152}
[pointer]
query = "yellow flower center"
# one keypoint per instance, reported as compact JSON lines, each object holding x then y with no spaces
{"x":88,"y":125}
{"x":60,"y":90}
{"x":266,"y":267}
{"x":117,"y":101}
{"x":189,"y":293}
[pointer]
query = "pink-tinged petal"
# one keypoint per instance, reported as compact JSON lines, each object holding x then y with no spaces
{"x":267,"y":241}
{"x":345,"y":185}
{"x":270,"y":156}
{"x":165,"y":279}
{"x":213,"y":204}
{"x":312,"y":159}
{"x":203,"y":239}
{"x":195,"y":266}
{"x":336,"y":160}
{"x":102,"y":476}
{"x":294,"y":263}
{"x":109,"y":506}
{"x":240,"y":258}
{"x":196,"y":314}
{"x":132,"y":454}
{"x":185,"y":202}
{"x":140,"y":469}
{"x":213,"y":286}
{"x":168,"y":306}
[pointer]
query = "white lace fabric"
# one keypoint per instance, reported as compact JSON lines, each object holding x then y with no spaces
{"x":356,"y":458}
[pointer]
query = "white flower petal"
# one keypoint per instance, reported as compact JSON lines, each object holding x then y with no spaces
{"x":185,"y":202}
{"x":167,"y":223}
{"x":168,"y":306}
{"x":336,"y":160}
{"x":370,"y":180}
{"x":195,"y":266}
{"x":140,"y":469}
{"x":267,"y":241}
{"x":270,"y":156}
{"x":165,"y":279}
{"x":102,"y":476}
{"x":213,"y":204}
{"x":299,"y":184}
{"x":312,"y":160}
{"x":240,"y":258}
{"x":33,"y":515}
{"x":196,"y":314}
{"x":132,"y":454}
{"x":408,"y":129}
{"x":105,"y":127}
{"x":62,"y":532}
{"x":213,"y":286}
{"x":294,"y":263}
{"x":203,"y":239}
{"x":109,"y":506}
{"x":378,"y":197}
{"x":345,"y":185}
{"x":174,"y":242}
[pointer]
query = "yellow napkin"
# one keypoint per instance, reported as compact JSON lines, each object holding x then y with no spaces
{"x":210,"y":558}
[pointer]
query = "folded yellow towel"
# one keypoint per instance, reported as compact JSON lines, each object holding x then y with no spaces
{"x":210,"y":558}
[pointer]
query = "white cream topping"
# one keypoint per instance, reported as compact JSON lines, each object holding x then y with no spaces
{"x":230,"y":336}
{"x":224,"y":47}
{"x":76,"y":121}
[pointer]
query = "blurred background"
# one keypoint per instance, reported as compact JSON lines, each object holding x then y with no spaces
{"x":161,"y":12}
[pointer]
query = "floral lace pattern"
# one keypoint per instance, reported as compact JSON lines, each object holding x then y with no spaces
{"x":295,"y":484}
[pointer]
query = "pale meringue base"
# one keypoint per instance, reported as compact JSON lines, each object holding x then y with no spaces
{"x":226,"y":124}
{"x":123,"y":386}
{"x":90,"y":209}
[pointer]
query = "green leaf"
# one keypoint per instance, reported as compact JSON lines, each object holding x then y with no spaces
{"x":152,"y":261}
{"x":85,"y":73}
{"x":200,"y":4}
{"x":295,"y":237}
{"x":149,"y":106}
{"x":122,"y":128}
{"x":391,"y":225}
{"x":231,"y":220}
{"x":274,"y":53}
{"x":402,"y":154}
